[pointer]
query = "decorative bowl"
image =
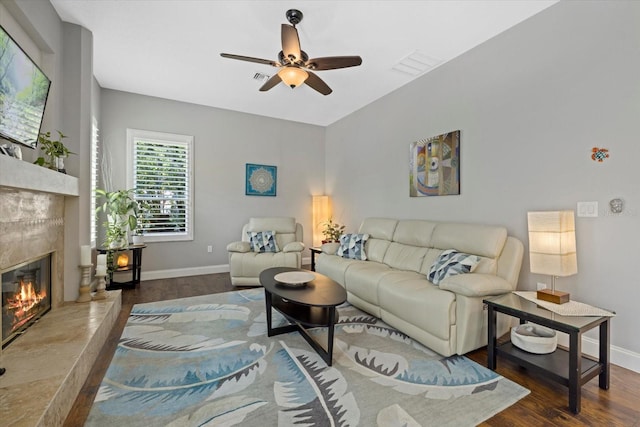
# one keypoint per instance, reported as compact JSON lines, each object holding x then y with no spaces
{"x":294,"y":278}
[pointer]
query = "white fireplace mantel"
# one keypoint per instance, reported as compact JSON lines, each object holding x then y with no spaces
{"x":23,"y":175}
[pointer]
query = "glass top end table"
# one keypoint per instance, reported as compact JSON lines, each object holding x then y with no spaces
{"x":568,"y":367}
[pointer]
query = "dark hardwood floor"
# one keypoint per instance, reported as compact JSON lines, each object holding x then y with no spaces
{"x":546,"y":405}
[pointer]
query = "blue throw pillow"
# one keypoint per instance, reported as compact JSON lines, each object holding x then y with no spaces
{"x":450,"y":263}
{"x":352,"y":246}
{"x":263,"y":241}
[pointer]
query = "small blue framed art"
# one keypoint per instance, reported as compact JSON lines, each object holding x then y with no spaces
{"x":261,"y":180}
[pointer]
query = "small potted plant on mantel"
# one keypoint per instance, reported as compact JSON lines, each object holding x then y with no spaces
{"x":331,"y":232}
{"x":55,"y":151}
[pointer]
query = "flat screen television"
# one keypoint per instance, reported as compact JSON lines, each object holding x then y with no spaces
{"x":24,"y":89}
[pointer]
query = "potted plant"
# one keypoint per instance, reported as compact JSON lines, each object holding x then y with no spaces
{"x":143,"y":221}
{"x":332,"y":231}
{"x":122,"y":211}
{"x":55,"y":151}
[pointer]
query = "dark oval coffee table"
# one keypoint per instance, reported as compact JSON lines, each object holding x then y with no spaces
{"x":308,"y":306}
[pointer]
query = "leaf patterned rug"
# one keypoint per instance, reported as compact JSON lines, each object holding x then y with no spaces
{"x":207,"y":361}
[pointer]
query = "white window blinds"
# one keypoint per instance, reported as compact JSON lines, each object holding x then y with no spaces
{"x":95,"y":151}
{"x":162,"y":179}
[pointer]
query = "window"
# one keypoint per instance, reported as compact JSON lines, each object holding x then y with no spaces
{"x":160,"y":171}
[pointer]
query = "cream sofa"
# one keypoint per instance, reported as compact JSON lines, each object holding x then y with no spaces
{"x":245,"y":265}
{"x":392,"y":283}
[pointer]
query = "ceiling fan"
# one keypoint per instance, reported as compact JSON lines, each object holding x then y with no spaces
{"x":294,"y":63}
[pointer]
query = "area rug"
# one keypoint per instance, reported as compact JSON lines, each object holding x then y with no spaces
{"x":207,"y":361}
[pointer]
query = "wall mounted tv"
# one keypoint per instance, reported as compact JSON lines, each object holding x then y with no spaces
{"x":23,"y":94}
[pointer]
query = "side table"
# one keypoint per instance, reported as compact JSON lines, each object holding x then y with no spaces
{"x":134,"y":266}
{"x":568,"y":367}
{"x":314,"y":251}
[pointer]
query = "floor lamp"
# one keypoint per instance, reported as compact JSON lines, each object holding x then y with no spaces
{"x":321,"y":212}
{"x":552,"y":249}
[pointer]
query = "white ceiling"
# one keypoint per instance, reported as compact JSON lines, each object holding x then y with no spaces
{"x":171,"y":48}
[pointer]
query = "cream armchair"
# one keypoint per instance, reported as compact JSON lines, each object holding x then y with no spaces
{"x":277,"y":242}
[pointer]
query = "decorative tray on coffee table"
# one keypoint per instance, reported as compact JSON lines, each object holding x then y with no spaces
{"x":294,"y":279}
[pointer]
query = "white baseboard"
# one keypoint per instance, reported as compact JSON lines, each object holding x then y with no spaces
{"x":183,"y":272}
{"x":619,"y":356}
{"x":193,"y":271}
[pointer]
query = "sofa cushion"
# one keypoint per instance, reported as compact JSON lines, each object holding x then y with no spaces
{"x":452,"y":262}
{"x":379,"y":228}
{"x":251,"y":264}
{"x":482,"y":240}
{"x":263,"y":241}
{"x":414,"y":232}
{"x":380,"y":231}
{"x":334,"y":266}
{"x":362,"y":280}
{"x":376,"y":249}
{"x":418,"y":302}
{"x":278,"y":224}
{"x":404,"y":257}
{"x":352,"y":246}
{"x":286,"y":228}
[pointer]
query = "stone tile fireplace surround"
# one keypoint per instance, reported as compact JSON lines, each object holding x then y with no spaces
{"x":56,"y":354}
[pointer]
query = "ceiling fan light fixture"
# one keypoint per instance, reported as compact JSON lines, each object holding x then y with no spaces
{"x":294,"y":65}
{"x":293,"y":76}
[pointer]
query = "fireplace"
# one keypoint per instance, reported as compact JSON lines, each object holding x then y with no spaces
{"x":47,"y":365}
{"x":26,"y":296}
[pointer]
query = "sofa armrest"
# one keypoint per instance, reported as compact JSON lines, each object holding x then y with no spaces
{"x":476,"y":285}
{"x":239,"y":247}
{"x":293,"y":247}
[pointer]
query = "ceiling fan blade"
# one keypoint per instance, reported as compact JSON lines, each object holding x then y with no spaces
{"x":250,"y":59}
{"x":318,"y":84}
{"x":290,"y":43}
{"x":271,"y":83}
{"x":333,"y":62}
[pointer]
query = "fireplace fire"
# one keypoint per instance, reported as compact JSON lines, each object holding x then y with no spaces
{"x":26,"y":291}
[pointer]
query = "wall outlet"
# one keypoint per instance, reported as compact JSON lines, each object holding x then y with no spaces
{"x":209,"y":248}
{"x":588,"y":209}
{"x":542,"y":286}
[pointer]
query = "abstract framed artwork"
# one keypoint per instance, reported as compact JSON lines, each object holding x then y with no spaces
{"x":261,"y":180}
{"x":434,"y":166}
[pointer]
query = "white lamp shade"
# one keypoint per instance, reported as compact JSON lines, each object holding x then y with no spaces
{"x":552,"y":243}
{"x":321,"y":213}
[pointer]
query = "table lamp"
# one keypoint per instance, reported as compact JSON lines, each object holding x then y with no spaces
{"x":552,"y":249}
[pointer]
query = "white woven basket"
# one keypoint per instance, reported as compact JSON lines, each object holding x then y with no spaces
{"x":534,"y":338}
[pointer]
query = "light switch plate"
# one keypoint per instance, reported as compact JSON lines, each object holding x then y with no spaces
{"x":588,"y":209}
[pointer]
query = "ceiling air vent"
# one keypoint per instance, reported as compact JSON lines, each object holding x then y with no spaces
{"x":416,"y":63}
{"x":261,"y":77}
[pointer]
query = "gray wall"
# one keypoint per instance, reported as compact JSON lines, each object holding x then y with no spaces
{"x":78,"y":103}
{"x":530,"y":104}
{"x":37,"y":28}
{"x":224,"y":142}
{"x":66,"y":57}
